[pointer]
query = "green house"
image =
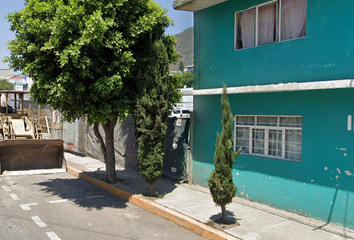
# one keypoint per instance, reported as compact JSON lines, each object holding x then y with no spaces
{"x":289,"y":69}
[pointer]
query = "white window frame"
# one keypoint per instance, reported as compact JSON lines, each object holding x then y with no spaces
{"x":278,"y":24}
{"x":266,"y":136}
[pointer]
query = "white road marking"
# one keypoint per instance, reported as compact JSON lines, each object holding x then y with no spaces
{"x":6,"y":188}
{"x":38,"y":221}
{"x":26,"y":207}
{"x":14,"y":197}
{"x":98,"y":196}
{"x":52,"y":236}
{"x":31,"y":172}
{"x":59,"y":201}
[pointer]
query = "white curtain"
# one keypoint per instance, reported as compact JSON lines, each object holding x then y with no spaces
{"x":293,"y":144}
{"x":293,"y":19}
{"x":258,"y":141}
{"x":275,"y":143}
{"x":246,"y":29}
{"x":291,"y":122}
{"x":242,"y":139}
{"x":266,"y":24}
{"x":267,"y":121}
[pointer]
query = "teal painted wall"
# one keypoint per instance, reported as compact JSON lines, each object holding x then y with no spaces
{"x":326,"y":53}
{"x":319,"y":186}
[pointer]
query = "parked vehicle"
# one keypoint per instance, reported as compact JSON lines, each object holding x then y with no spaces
{"x":178,"y":113}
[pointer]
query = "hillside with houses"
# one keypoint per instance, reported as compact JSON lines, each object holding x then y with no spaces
{"x":184,"y":47}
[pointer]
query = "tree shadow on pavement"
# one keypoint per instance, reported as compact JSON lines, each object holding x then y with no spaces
{"x":81,"y":193}
{"x":134,"y":183}
{"x":231,"y":221}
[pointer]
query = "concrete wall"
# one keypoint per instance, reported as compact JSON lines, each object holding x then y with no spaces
{"x":73,"y":135}
{"x":321,"y":186}
{"x":126,"y":150}
{"x":326,"y":53}
{"x":78,"y":137}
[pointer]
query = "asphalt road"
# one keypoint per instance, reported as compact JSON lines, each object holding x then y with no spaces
{"x":61,"y":206}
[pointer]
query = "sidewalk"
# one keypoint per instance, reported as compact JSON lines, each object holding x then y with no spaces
{"x":191,"y":206}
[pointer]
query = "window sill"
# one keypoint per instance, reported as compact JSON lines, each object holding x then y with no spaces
{"x":271,"y":157}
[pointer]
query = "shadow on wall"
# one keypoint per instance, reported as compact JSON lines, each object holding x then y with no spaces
{"x":126,"y":150}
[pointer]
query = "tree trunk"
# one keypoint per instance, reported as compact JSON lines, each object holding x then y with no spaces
{"x":109,"y":155}
{"x":223,"y":214}
{"x":152,"y":190}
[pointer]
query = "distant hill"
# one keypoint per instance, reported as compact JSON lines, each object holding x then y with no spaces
{"x":184,"y":47}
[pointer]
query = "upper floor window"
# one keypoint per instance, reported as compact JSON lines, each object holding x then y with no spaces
{"x":274,"y":21}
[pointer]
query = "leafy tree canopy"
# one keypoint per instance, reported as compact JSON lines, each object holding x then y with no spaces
{"x":81,"y":55}
{"x":5,"y":85}
{"x":183,"y":79}
{"x":81,"y":52}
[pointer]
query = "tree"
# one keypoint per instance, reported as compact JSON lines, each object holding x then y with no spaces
{"x":157,"y":93}
{"x":81,"y":54}
{"x":181,"y":66}
{"x":220,"y":181}
{"x":183,"y":79}
{"x":5,"y":85}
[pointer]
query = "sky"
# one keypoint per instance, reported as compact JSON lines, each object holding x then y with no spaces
{"x":182,"y":19}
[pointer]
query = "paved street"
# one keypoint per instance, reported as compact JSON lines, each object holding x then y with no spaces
{"x":60,"y":206}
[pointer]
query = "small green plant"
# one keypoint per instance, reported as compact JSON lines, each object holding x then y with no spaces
{"x":210,"y":223}
{"x":220,"y":181}
{"x":158,"y":195}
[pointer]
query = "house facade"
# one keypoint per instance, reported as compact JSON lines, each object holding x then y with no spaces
{"x":288,"y":67}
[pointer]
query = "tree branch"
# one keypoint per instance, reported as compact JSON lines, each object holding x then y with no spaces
{"x":99,"y":137}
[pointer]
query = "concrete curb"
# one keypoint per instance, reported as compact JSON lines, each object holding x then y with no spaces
{"x":173,"y":216}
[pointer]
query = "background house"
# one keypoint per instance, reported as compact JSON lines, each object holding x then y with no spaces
{"x":6,"y":73}
{"x":288,"y":66}
{"x":20,"y":82}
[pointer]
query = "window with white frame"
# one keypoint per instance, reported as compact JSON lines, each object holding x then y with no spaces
{"x":274,"y":21}
{"x":277,"y":137}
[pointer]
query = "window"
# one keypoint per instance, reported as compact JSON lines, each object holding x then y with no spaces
{"x":277,"y":137}
{"x":271,"y":22}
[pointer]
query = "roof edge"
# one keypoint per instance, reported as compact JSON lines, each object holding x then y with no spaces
{"x":179,"y":3}
{"x":195,"y":5}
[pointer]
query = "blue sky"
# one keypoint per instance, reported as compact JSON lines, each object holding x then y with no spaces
{"x":182,"y":19}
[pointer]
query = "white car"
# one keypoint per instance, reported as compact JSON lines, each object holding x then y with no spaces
{"x":178,"y":113}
